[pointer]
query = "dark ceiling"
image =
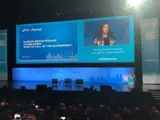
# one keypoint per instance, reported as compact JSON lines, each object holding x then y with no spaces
{"x":24,"y":11}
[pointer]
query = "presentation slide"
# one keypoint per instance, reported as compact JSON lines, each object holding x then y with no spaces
{"x":3,"y":56}
{"x":97,"y":40}
{"x":117,"y":78}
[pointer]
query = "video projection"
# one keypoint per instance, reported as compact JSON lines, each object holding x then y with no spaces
{"x":79,"y":78}
{"x":79,"y":41}
{"x":3,"y":57}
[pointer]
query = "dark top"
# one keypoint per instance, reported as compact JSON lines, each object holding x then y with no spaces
{"x":106,"y":40}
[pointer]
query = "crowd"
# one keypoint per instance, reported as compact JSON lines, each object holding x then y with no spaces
{"x":103,"y":112}
{"x":51,"y":105}
{"x":31,"y":111}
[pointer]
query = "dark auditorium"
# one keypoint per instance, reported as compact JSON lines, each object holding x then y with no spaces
{"x":80,"y":60}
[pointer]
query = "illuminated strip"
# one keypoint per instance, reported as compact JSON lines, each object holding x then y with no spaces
{"x":3,"y":33}
{"x":2,"y":62}
{"x":2,"y":43}
{"x":3,"y":73}
{"x":150,"y":60}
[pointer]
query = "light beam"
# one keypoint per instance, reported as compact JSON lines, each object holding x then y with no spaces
{"x":134,"y":3}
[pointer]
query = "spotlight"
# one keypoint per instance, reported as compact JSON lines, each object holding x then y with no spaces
{"x":134,"y":3}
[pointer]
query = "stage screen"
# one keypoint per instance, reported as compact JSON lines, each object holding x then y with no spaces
{"x":117,"y":78}
{"x":3,"y":57}
{"x":98,"y":40}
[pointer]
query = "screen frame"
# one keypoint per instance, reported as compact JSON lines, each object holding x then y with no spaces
{"x":131,"y":20}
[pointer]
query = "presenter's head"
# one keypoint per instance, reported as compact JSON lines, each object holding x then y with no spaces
{"x":105,"y":28}
{"x":104,"y":35}
{"x":133,"y":74}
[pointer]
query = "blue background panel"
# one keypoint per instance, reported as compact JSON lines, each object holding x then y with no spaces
{"x":3,"y":68}
{"x":96,"y":76}
{"x":3,"y":55}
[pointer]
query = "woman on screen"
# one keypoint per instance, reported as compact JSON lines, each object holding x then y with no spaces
{"x":104,"y":36}
{"x":131,"y":81}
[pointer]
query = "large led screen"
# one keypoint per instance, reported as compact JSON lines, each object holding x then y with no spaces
{"x":56,"y":78}
{"x":98,"y":40}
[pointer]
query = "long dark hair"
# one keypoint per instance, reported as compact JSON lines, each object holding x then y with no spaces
{"x":100,"y":32}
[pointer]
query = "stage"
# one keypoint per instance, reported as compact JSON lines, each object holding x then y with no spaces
{"x":71,"y":87}
{"x":72,"y":78}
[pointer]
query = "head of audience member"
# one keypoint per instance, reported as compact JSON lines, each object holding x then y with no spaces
{"x":155,"y":114}
{"x":127,"y":114}
{"x":80,"y":111}
{"x":127,"y":110}
{"x":70,"y":107}
{"x":154,"y":109}
{"x":28,"y":117}
{"x":88,"y":111}
{"x":80,"y":105}
{"x":32,"y":104}
{"x":117,"y":117}
{"x":47,"y":108}
{"x":136,"y":108}
{"x":2,"y":104}
{"x":101,"y":106}
{"x":62,"y":106}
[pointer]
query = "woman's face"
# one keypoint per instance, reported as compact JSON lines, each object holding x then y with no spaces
{"x":133,"y":74}
{"x":105,"y":28}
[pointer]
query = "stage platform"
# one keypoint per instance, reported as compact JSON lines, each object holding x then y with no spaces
{"x":70,"y":87}
{"x":117,"y":87}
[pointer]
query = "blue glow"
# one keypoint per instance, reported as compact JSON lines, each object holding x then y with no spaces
{"x":3,"y":54}
{"x":96,"y":76}
{"x":73,"y":41}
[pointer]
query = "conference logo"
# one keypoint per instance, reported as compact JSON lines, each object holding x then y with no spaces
{"x":32,"y":30}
